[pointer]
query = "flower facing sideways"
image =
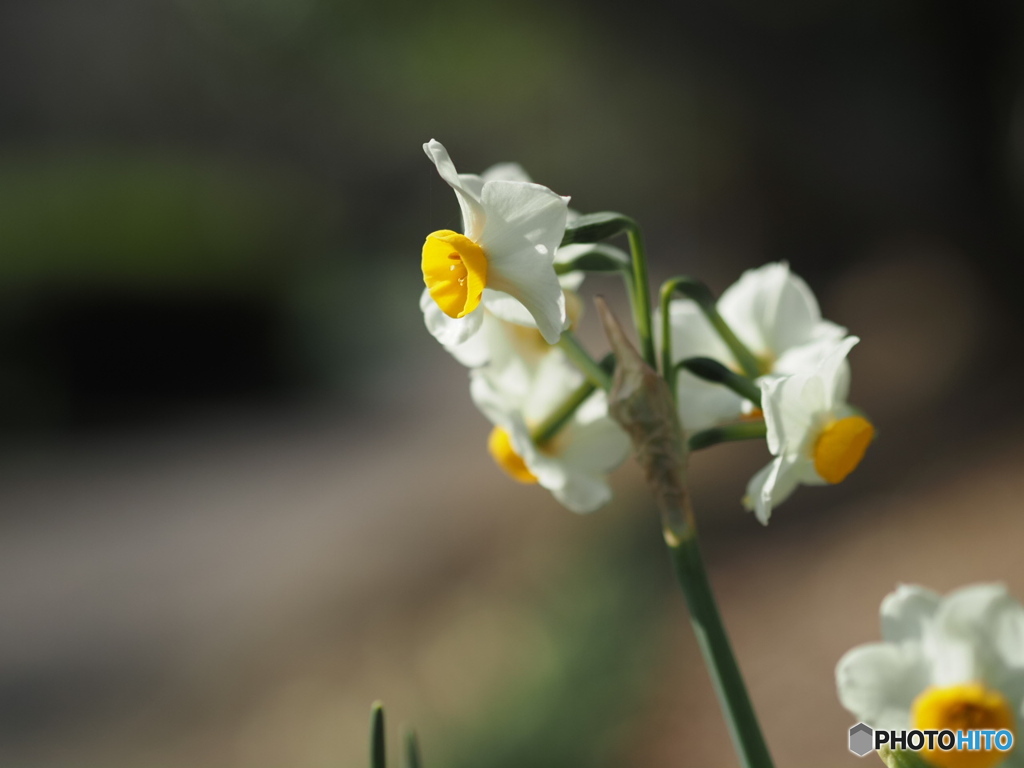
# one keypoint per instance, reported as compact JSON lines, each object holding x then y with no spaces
{"x":814,"y":435}
{"x":945,"y":663}
{"x":774,"y":313}
{"x":504,"y":259}
{"x":573,"y":464}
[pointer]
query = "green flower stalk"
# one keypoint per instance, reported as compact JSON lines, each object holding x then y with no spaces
{"x":642,"y":403}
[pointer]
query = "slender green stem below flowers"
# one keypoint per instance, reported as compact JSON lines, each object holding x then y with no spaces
{"x":713,"y":371}
{"x":717,"y":651}
{"x":642,"y":404}
{"x":701,"y":295}
{"x":582,"y":360}
{"x":730,"y":433}
{"x":641,"y":295}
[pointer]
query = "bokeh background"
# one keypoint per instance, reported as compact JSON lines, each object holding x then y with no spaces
{"x":243,"y":492}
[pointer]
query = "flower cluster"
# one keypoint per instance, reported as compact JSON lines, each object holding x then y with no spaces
{"x":500,"y":297}
{"x":946,"y":663}
{"x":799,"y":365}
{"x":494,"y":300}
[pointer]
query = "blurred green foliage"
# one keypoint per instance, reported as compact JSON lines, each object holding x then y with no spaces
{"x":603,"y":615}
{"x":151,"y":222}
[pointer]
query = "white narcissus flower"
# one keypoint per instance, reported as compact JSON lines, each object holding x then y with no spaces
{"x":504,"y":260}
{"x":574,"y":464}
{"x":506,"y":327}
{"x":774,"y":313}
{"x":814,"y":435}
{"x":945,"y":663}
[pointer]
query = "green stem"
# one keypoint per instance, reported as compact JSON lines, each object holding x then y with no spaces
{"x":717,"y":651}
{"x":713,"y":371}
{"x":553,"y":423}
{"x":752,"y":430}
{"x":641,"y":294}
{"x":696,"y":290}
{"x":582,"y":359}
{"x":668,"y":371}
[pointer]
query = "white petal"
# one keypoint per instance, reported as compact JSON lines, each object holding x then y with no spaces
{"x":506,"y":172}
{"x":525,"y":224}
{"x":835,"y":373}
{"x":499,"y":393}
{"x":596,"y":447}
{"x":576,"y":474}
{"x":702,"y":404}
{"x":770,"y":487}
{"x":471,"y":184}
{"x":467,"y":190}
{"x":510,"y":309}
{"x":473,"y":352}
{"x":878,"y":683}
{"x":906,"y":612}
{"x":985,"y":618}
{"x":771,"y":310}
{"x":805,"y":358}
{"x":582,"y":493}
{"x":554,"y":379}
{"x":790,"y":404}
{"x":489,"y":345}
{"x":450,"y":331}
{"x":693,"y":335}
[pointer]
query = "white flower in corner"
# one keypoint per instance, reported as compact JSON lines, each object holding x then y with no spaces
{"x":574,"y":464}
{"x":814,"y":435}
{"x":504,"y":260}
{"x":944,"y":663}
{"x":774,"y":314}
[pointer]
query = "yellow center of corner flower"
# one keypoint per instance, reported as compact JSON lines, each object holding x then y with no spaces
{"x":500,"y":446}
{"x":841,"y":446}
{"x":455,"y":272}
{"x":966,"y":707}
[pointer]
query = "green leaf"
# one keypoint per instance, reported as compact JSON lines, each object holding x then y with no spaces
{"x":412,"y":751}
{"x":378,"y":756}
{"x":730,"y":433}
{"x":693,"y":289}
{"x":595,"y":227}
{"x":600,"y":258}
{"x":713,"y":371}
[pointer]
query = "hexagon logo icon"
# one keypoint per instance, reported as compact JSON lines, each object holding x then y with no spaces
{"x":862,"y":739}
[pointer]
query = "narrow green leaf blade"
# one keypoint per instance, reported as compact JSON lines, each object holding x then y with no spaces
{"x":595,"y":227}
{"x":378,"y":756}
{"x":599,"y":258}
{"x":412,"y":750}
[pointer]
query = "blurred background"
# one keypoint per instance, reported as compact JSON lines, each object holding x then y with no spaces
{"x":243,"y":492}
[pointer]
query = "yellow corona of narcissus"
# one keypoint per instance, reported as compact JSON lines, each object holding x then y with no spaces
{"x":946,"y":663}
{"x":575,"y":463}
{"x":503,"y":260}
{"x":814,"y":435}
